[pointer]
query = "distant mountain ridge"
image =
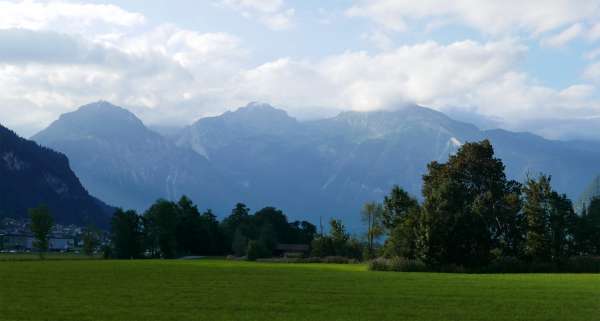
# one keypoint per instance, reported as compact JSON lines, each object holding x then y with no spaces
{"x":123,"y":162}
{"x":260,"y":155}
{"x":33,"y":175}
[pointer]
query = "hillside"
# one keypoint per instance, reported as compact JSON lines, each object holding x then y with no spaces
{"x":34,"y":175}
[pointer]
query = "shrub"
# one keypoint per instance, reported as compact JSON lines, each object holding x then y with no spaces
{"x":583,"y":264}
{"x":257,"y":250}
{"x":328,"y":259}
{"x":397,"y":264}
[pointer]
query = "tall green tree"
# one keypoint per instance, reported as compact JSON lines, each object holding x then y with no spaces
{"x":339,"y":237}
{"x":160,"y":223}
{"x":588,"y":229}
{"x":406,"y":238}
{"x":371,"y":216}
{"x":212,"y":238}
{"x":126,"y":234}
{"x":465,"y":206}
{"x":238,"y":219}
{"x":396,"y":207}
{"x":41,"y":225}
{"x":190,"y":234}
{"x":536,"y":208}
{"x":239,"y":244}
{"x":550,"y":220}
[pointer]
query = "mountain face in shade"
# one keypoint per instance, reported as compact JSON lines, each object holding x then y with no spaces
{"x":261,"y":156}
{"x":31,"y":175}
{"x":121,"y":161}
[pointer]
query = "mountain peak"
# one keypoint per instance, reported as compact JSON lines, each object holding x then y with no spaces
{"x":259,"y":111}
{"x":257,"y":105}
{"x":94,"y":120}
{"x":255,"y":115}
{"x":104,"y":108}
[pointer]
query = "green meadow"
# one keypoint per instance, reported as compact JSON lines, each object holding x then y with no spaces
{"x":230,"y":290}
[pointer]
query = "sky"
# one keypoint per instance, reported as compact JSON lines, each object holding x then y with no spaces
{"x":520,"y":65}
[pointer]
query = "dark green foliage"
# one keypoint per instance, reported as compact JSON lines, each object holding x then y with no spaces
{"x":178,"y":229}
{"x":337,"y":243}
{"x":269,"y":226}
{"x":588,"y":229}
{"x":160,"y":227}
{"x":474,"y":219}
{"x":406,"y":238}
{"x":126,"y":235}
{"x":41,"y":225}
{"x":466,"y":207}
{"x":239,"y":244}
{"x":551,"y":222}
{"x":396,"y":206}
{"x":397,"y":264}
{"x":257,"y":250}
{"x":212,"y":239}
{"x":189,"y":230}
{"x":169,"y":230}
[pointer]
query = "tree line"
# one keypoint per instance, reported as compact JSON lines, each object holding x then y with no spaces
{"x":174,"y":229}
{"x":471,"y":216}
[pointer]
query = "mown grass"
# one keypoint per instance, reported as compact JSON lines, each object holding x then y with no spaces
{"x":47,"y":256}
{"x":226,"y":290}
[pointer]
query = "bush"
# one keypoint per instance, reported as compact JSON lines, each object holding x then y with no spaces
{"x":579,"y":264}
{"x":257,"y":250}
{"x":397,"y":264}
{"x":583,"y":264}
{"x":328,"y":259}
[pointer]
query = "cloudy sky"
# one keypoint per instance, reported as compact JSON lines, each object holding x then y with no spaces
{"x":521,"y":65}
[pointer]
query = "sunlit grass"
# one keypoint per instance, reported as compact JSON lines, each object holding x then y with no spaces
{"x":231,"y":290}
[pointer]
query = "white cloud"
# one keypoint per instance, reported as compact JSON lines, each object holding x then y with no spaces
{"x":494,"y":17}
{"x":168,"y":74}
{"x":64,"y":15}
{"x":423,"y":73}
{"x":271,"y":13}
{"x":479,"y":77}
{"x":592,"y":72}
{"x":564,"y":36}
{"x":594,"y":32}
{"x":380,"y":39}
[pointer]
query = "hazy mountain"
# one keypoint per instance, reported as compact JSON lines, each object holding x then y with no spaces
{"x":261,"y":156}
{"x":121,"y":161}
{"x":33,"y":175}
{"x":330,"y":167}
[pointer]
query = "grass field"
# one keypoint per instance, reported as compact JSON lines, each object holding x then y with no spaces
{"x":47,"y":256}
{"x":226,"y":290}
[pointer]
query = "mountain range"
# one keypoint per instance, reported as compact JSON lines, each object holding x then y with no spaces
{"x":33,"y":175}
{"x":126,"y":164}
{"x":261,"y":156}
